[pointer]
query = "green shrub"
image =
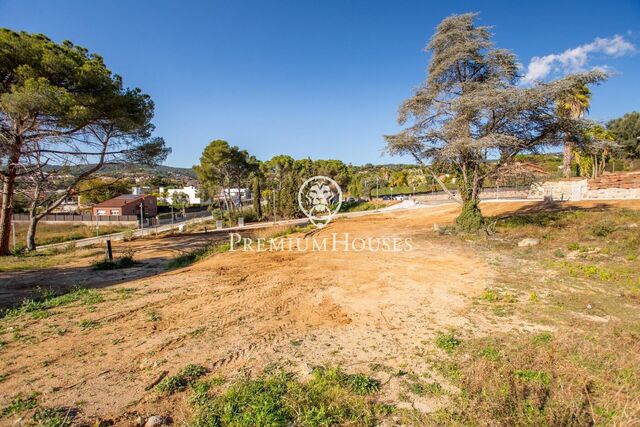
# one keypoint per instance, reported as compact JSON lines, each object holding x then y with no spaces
{"x":603,"y":229}
{"x":470,"y":219}
{"x":362,"y":384}
{"x":125,"y":261}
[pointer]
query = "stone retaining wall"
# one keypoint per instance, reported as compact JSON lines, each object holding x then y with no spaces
{"x":610,"y":186}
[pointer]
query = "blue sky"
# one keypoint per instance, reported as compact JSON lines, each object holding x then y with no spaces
{"x":318,"y":78}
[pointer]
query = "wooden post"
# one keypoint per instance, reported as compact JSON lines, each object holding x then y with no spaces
{"x":109,"y":251}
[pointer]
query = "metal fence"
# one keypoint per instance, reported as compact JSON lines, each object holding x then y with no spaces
{"x":79,"y":218}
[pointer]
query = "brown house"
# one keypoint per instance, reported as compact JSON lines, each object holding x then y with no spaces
{"x":127,"y":204}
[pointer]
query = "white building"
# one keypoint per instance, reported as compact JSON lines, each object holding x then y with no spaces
{"x":191,"y":192}
{"x":236,"y":195}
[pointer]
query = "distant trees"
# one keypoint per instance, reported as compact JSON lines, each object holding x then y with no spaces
{"x":97,"y":190}
{"x":274,"y":183}
{"x":471,"y":110}
{"x":597,"y":146}
{"x":180,"y":201}
{"x":627,"y":133}
{"x":63,"y":116}
{"x":221,"y":168}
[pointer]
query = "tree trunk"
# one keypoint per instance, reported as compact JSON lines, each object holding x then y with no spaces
{"x":257,"y":197}
{"x":31,"y":233}
{"x":566,"y":157}
{"x":470,"y":219}
{"x":8,"y":186}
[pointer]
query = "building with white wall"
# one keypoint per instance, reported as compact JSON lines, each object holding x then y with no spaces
{"x":190,"y":191}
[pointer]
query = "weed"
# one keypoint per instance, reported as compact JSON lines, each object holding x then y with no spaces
{"x":490,"y":353}
{"x":54,"y":417}
{"x":573,"y":246}
{"x":21,"y":403}
{"x":425,"y":389}
{"x":603,"y":229}
{"x":182,"y":379}
{"x":362,"y":384}
{"x":153,"y":316}
{"x":529,"y":375}
{"x":490,"y":295}
{"x":447,"y":342}
{"x":88,"y":324}
{"x":125,"y":261}
{"x":543,"y":338}
{"x":558,"y":253}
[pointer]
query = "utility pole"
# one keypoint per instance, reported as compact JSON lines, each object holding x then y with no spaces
{"x":171,"y":213}
{"x":377,"y":187}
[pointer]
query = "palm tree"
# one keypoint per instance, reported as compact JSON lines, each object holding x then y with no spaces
{"x":574,"y":106}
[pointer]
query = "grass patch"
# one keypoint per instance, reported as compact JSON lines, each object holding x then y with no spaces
{"x":49,"y":233}
{"x":363,"y":206}
{"x":195,"y":255}
{"x":279,"y":399}
{"x":20,"y":403}
{"x":447,"y":342}
{"x":420,"y":388}
{"x":125,"y":261}
{"x":46,"y":258}
{"x":55,"y":417}
{"x":182,"y":379}
{"x":39,"y":307}
{"x":88,"y":324}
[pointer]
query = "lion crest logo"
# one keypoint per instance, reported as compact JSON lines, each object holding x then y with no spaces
{"x":320,"y":198}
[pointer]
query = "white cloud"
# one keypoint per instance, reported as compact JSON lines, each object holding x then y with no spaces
{"x":576,"y":59}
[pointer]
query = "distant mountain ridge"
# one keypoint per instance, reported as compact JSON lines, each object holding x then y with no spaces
{"x":160,"y":170}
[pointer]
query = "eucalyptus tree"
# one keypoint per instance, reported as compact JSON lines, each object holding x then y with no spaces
{"x":471,"y":116}
{"x":61,"y":108}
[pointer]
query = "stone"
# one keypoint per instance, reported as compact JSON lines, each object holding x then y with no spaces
{"x":157,"y":421}
{"x":528,"y":242}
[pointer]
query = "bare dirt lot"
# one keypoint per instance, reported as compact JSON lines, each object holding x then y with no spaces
{"x":236,"y":313}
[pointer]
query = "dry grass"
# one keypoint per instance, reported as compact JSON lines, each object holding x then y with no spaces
{"x":48,"y":233}
{"x":580,"y":284}
{"x":47,"y":258}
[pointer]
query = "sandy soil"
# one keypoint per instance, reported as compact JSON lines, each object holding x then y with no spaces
{"x":238,"y":312}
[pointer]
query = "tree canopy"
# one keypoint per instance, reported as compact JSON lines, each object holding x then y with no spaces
{"x":627,"y":132}
{"x":61,"y":106}
{"x":471,"y":109}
